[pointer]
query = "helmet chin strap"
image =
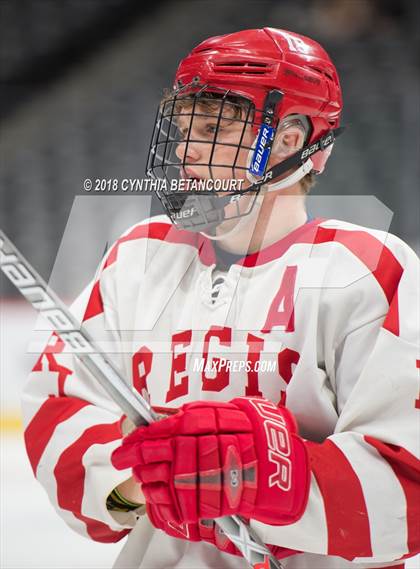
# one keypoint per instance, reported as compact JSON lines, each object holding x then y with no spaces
{"x":297,"y":175}
{"x":242,"y":221}
{"x":292,"y":178}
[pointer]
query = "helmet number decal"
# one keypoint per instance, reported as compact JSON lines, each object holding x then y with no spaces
{"x":296,"y":43}
{"x":262,"y":150}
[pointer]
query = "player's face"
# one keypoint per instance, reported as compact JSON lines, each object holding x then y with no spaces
{"x":213,"y":149}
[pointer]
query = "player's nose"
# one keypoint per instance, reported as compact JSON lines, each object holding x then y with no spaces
{"x":188,"y":151}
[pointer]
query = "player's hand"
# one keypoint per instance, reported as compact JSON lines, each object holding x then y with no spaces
{"x":215,"y":459}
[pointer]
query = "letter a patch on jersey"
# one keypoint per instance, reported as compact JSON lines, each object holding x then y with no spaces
{"x":281,"y":312}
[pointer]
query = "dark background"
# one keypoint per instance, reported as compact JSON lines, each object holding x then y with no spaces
{"x":80,"y":82}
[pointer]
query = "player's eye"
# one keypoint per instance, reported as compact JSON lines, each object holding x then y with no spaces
{"x":211,"y":128}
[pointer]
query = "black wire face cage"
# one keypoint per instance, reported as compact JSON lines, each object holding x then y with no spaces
{"x":193,"y":128}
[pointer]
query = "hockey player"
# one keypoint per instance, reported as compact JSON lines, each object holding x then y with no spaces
{"x":282,"y":348}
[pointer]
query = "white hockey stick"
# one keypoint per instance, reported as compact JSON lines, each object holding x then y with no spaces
{"x":78,"y":340}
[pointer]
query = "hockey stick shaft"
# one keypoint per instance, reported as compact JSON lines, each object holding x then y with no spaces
{"x":78,"y":341}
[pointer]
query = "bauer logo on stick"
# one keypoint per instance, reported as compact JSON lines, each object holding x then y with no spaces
{"x":34,"y":290}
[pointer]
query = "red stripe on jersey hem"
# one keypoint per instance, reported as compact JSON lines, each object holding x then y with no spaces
{"x":52,"y":412}
{"x":407,"y":470}
{"x":344,"y":503}
{"x":168,"y":233}
{"x":70,"y":473}
{"x":95,"y":304}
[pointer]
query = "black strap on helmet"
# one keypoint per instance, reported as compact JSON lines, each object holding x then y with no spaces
{"x":294,"y":160}
{"x":299,"y":157}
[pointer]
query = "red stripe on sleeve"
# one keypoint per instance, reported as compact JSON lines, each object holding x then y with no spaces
{"x":168,"y":233}
{"x":54,"y":346}
{"x":70,"y":476}
{"x":392,"y":321}
{"x":345,"y":507}
{"x":373,"y":253}
{"x":153,"y":230}
{"x":99,"y":531}
{"x":52,"y":412}
{"x":407,"y":469}
{"x":95,"y":305}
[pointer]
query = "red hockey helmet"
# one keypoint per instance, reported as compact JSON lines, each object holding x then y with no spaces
{"x":250,"y":63}
{"x":270,"y":75}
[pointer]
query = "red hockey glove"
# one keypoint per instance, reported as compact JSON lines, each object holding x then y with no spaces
{"x":215,"y":459}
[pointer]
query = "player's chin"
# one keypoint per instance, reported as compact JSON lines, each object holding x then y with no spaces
{"x":226,"y":227}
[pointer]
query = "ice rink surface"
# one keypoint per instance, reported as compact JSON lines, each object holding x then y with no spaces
{"x":33,"y":536}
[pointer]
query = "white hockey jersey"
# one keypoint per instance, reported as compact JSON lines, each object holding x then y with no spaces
{"x":324,"y":321}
